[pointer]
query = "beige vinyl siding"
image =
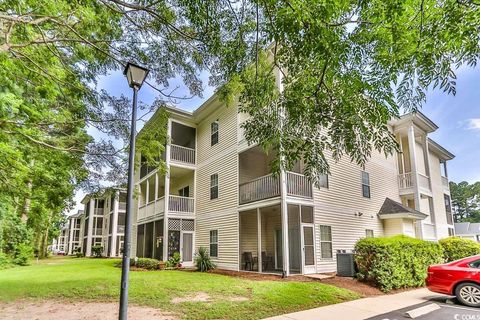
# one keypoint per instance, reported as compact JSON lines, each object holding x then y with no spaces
{"x":222,"y":158}
{"x":226,"y":222}
{"x":340,"y":204}
{"x":392,"y":227}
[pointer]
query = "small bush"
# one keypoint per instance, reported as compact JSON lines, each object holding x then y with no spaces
{"x":78,"y":252}
{"x":174,"y":261}
{"x":147,"y":263}
{"x":203,"y":261}
{"x":23,"y":255}
{"x":395,"y":262}
{"x":97,"y":251}
{"x":5,"y":262}
{"x":455,"y":248}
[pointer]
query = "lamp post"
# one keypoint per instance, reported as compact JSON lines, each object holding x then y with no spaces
{"x":135,"y":77}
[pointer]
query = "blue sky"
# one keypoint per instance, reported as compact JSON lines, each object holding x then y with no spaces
{"x":457,"y":116}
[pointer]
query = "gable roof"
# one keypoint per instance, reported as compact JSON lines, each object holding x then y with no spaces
{"x":392,"y":209}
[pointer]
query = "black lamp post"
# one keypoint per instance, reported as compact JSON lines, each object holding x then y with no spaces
{"x":135,"y":77}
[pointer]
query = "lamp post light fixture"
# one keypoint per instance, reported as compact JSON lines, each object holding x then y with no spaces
{"x":136,"y":75}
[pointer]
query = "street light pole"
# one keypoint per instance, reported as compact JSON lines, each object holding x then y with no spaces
{"x":128,"y":223}
{"x":135,"y":76}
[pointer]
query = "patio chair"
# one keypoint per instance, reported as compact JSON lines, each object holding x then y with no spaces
{"x":248,"y":261}
{"x":266,"y":261}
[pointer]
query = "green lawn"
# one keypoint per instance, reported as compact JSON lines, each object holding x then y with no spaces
{"x":74,"y":279}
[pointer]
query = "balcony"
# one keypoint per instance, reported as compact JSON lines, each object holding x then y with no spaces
{"x":151,"y":209}
{"x":182,"y":154}
{"x":406,"y":181}
{"x":180,"y":204}
{"x":269,"y":187}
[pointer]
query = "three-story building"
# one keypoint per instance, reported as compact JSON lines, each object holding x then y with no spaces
{"x":219,"y":193}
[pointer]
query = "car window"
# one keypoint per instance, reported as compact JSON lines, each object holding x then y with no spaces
{"x":475,"y":264}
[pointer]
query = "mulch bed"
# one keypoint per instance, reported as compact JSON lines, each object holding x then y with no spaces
{"x":363,"y":288}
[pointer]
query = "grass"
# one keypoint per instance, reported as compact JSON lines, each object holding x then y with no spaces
{"x":74,"y":279}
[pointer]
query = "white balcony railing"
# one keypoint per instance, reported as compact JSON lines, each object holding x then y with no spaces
{"x":445,"y":183}
{"x":405,"y":180}
{"x":182,"y":154}
{"x":423,"y":181}
{"x":150,"y":209}
{"x":298,"y":185}
{"x":180,"y":204}
{"x":259,"y":189}
{"x":269,"y":186}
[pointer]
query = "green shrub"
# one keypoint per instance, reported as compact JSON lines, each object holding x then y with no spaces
{"x":23,"y":255}
{"x":147,"y":263}
{"x":174,"y":261}
{"x":395,"y":262}
{"x":97,"y":251}
{"x":5,"y":262}
{"x":455,"y":248}
{"x":203,"y":261}
{"x":78,"y":252}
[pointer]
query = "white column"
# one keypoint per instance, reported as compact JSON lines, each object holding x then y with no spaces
{"x":167,"y":191}
{"x":413,"y":163}
{"x":115,"y":207}
{"x":259,"y":242}
{"x":71,"y":229}
{"x":283,"y":193}
{"x":88,"y":249}
{"x":426,"y":160}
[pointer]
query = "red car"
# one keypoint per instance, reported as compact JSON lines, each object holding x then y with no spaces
{"x":460,"y":278}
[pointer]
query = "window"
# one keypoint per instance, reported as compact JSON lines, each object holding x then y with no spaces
{"x":214,"y":133}
{"x":326,"y":242}
{"x":214,"y":243}
{"x":369,"y":233}
{"x":451,"y":232}
{"x":365,"y":184}
{"x":448,"y":208}
{"x":475,"y":264}
{"x":184,"y":192}
{"x":323,"y":180}
{"x":214,"y":186}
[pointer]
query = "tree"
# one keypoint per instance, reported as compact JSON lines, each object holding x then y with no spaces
{"x":465,"y":201}
{"x":348,"y":67}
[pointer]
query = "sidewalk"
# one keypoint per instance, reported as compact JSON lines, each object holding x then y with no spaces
{"x":362,"y":308}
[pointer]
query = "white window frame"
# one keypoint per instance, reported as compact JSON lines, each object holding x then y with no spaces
{"x":214,"y":186}
{"x":181,"y":191}
{"x":215,"y":231}
{"x":322,"y":226}
{"x":366,"y":183}
{"x":323,"y":180}
{"x":214,"y":132}
{"x":372,"y":233}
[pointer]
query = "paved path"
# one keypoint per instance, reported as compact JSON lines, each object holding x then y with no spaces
{"x":364,"y":308}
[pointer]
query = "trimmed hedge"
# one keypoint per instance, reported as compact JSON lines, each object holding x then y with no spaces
{"x":144,"y":263}
{"x":455,"y":248}
{"x":395,"y":262}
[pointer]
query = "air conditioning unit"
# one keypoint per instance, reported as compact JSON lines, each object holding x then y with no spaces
{"x":346,"y":264}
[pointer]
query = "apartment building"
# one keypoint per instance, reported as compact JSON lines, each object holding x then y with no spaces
{"x":74,"y":231}
{"x":60,"y":244}
{"x":102,"y":222}
{"x":219,"y":193}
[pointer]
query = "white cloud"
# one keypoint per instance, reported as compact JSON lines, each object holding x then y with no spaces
{"x":473,"y":124}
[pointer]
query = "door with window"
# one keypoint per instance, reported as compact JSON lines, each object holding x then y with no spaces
{"x":186,"y":245}
{"x":308,"y":240}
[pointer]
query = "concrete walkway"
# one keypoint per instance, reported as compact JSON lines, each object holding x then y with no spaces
{"x":363,"y":308}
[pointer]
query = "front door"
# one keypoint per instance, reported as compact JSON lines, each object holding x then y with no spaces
{"x":308,"y":248}
{"x":186,"y":246}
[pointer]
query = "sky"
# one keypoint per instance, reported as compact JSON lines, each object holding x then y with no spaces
{"x":458,"y":118}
